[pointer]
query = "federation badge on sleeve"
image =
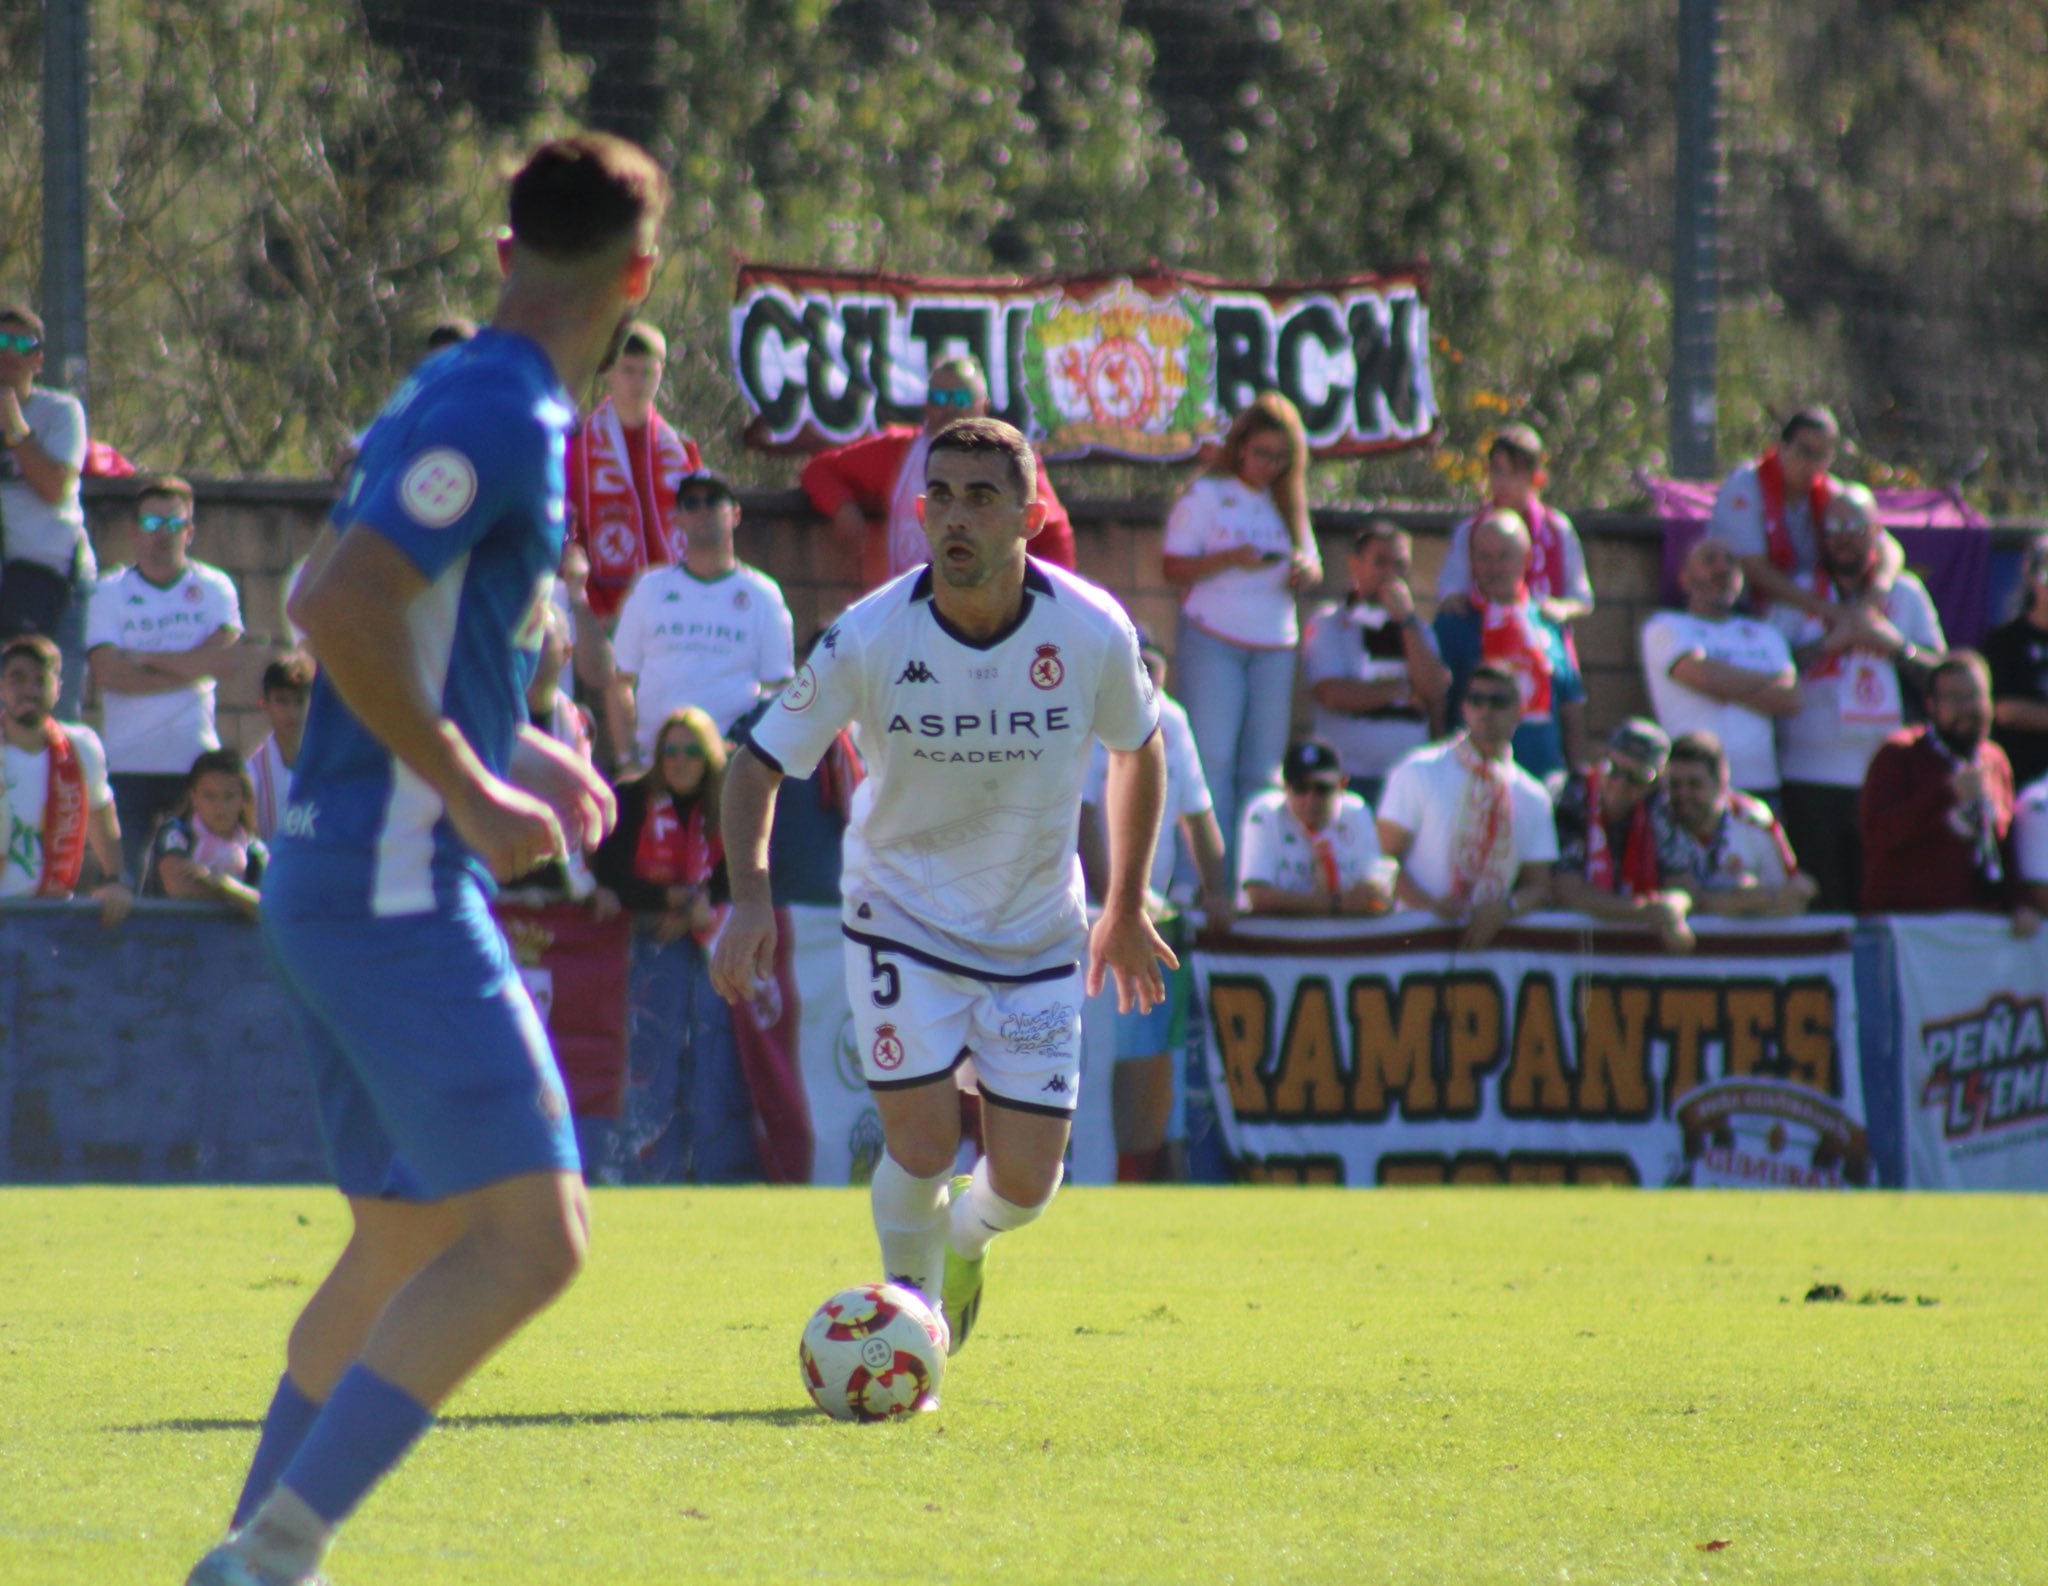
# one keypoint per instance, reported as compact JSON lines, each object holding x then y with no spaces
{"x":438,"y":487}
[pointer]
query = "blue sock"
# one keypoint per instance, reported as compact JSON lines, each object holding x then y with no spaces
{"x":364,"y":1430}
{"x":285,"y":1425}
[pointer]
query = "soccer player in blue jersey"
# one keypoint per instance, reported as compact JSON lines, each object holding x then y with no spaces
{"x":419,"y":781}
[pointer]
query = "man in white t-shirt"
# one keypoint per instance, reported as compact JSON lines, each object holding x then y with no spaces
{"x":1710,"y":670}
{"x":973,"y":686}
{"x":2030,"y":841}
{"x":1372,"y":666}
{"x":55,"y":803}
{"x":1852,"y":677}
{"x":1722,"y":848}
{"x":1471,"y":830}
{"x":1309,"y":846}
{"x":157,"y":634}
{"x":709,"y":631}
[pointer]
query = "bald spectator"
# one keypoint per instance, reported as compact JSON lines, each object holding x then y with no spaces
{"x":1713,"y":670}
{"x":1722,"y":848}
{"x":1557,"y":561}
{"x":1372,"y":667}
{"x":1937,"y":809}
{"x":1607,"y":824}
{"x":1854,"y":669}
{"x":869,"y":488}
{"x":2017,"y":652}
{"x":1504,"y":627}
{"x":1471,"y":830}
{"x":624,"y":467}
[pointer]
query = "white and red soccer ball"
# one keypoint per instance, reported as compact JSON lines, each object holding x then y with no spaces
{"x":873,"y":1353}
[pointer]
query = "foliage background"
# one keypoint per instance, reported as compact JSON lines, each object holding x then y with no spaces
{"x":284,"y":193}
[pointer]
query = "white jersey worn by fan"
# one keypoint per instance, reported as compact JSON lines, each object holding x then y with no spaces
{"x":960,"y":853}
{"x":717,"y":643}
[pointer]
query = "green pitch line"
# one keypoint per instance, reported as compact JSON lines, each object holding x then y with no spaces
{"x":1173,"y":1386}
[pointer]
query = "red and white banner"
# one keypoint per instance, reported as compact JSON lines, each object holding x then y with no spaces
{"x":1973,"y":1050}
{"x":575,"y":967}
{"x":1562,"y":1054}
{"x":1148,"y":365}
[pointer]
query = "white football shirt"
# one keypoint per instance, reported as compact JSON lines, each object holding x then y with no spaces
{"x":1277,"y":851}
{"x":1748,"y":736}
{"x":1187,"y":791}
{"x":1820,"y":744}
{"x":961,"y":848}
{"x":160,"y":732}
{"x":716,"y":643}
{"x":1424,"y":795}
{"x":28,"y":788}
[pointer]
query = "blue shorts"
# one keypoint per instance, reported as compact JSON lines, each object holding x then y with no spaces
{"x":433,"y":1070}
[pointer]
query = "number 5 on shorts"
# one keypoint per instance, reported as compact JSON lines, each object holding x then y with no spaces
{"x":889,"y":984}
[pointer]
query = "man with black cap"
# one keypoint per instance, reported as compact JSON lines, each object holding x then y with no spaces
{"x":1309,"y":847}
{"x":1607,"y":838}
{"x":709,"y":631}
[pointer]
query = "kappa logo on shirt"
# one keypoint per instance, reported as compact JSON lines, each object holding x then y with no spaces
{"x":917,"y":672}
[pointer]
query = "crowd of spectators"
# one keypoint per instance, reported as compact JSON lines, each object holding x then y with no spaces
{"x":1816,"y":744}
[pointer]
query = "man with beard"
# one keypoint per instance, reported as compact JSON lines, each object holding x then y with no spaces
{"x":1938,"y":806}
{"x":55,"y":802}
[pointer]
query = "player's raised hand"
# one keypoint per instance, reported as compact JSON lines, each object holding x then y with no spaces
{"x":509,"y":829}
{"x":743,"y":957}
{"x":583,"y":803}
{"x":1123,"y":944}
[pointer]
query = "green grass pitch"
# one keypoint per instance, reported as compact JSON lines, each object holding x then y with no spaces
{"x":1174,"y":1386}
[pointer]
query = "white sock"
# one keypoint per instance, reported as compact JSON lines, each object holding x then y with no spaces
{"x":284,"y":1537}
{"x":910,"y":1223}
{"x":981,"y":1214}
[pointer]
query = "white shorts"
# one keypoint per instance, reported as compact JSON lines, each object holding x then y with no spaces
{"x":915,"y":1024}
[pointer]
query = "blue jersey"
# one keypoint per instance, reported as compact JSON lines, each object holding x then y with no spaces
{"x":463,"y":471}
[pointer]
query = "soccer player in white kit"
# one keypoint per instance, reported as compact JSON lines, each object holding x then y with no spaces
{"x":975,"y":688}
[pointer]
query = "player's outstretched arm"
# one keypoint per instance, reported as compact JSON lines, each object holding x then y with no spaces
{"x":1123,"y":943}
{"x":354,"y":610}
{"x":744,"y":955}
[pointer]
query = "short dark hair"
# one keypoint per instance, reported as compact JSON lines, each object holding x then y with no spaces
{"x":1497,"y":674}
{"x":450,"y":332}
{"x":581,"y":197}
{"x":1959,"y":661}
{"x":1520,"y":444}
{"x":292,"y":670}
{"x":1811,"y":417}
{"x":165,"y":485}
{"x":1376,"y":530}
{"x":979,"y":437}
{"x":643,"y":340}
{"x":34,"y":645}
{"x":22,"y":314}
{"x":1700,"y":748}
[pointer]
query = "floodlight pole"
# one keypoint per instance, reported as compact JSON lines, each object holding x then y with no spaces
{"x":1695,"y":251}
{"x":67,"y":28}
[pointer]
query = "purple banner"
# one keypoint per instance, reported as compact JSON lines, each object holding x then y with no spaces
{"x":1946,"y":544}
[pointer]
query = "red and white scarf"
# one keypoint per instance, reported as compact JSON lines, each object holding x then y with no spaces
{"x":1509,"y":637}
{"x":64,"y":816}
{"x":614,"y":528}
{"x":1636,"y":876}
{"x":1546,"y":571}
{"x":1483,"y":841}
{"x":676,"y":850}
{"x":1770,"y":478}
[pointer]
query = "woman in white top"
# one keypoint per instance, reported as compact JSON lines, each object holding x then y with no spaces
{"x":1238,"y":544}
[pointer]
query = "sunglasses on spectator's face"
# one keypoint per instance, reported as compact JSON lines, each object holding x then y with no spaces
{"x":1488,"y":699}
{"x":1628,"y":771}
{"x":18,"y":341}
{"x":701,"y":500}
{"x":1319,"y":790}
{"x":161,"y":523}
{"x":683,"y":750}
{"x":960,"y":398}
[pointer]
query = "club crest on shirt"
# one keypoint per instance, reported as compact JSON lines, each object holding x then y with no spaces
{"x":741,"y":600}
{"x":1046,"y":668}
{"x":888,"y":1048}
{"x":438,"y":488}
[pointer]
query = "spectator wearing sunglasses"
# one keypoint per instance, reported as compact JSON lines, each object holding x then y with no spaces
{"x":43,"y":444}
{"x":158,"y":632}
{"x":1309,"y":846}
{"x":870,"y":488}
{"x":710,"y":631}
{"x":1609,"y":821}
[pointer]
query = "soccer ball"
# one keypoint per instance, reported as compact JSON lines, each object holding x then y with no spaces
{"x":873,"y":1353}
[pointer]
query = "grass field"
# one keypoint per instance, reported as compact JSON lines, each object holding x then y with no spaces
{"x":1166,"y":1386}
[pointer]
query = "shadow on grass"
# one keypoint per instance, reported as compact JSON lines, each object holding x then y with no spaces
{"x":785,"y":1416}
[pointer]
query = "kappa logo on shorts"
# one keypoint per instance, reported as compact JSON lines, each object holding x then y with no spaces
{"x":1057,"y":1085}
{"x":888,"y":1049}
{"x":1045,"y":1033}
{"x":1046,"y":669}
{"x":438,"y":488}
